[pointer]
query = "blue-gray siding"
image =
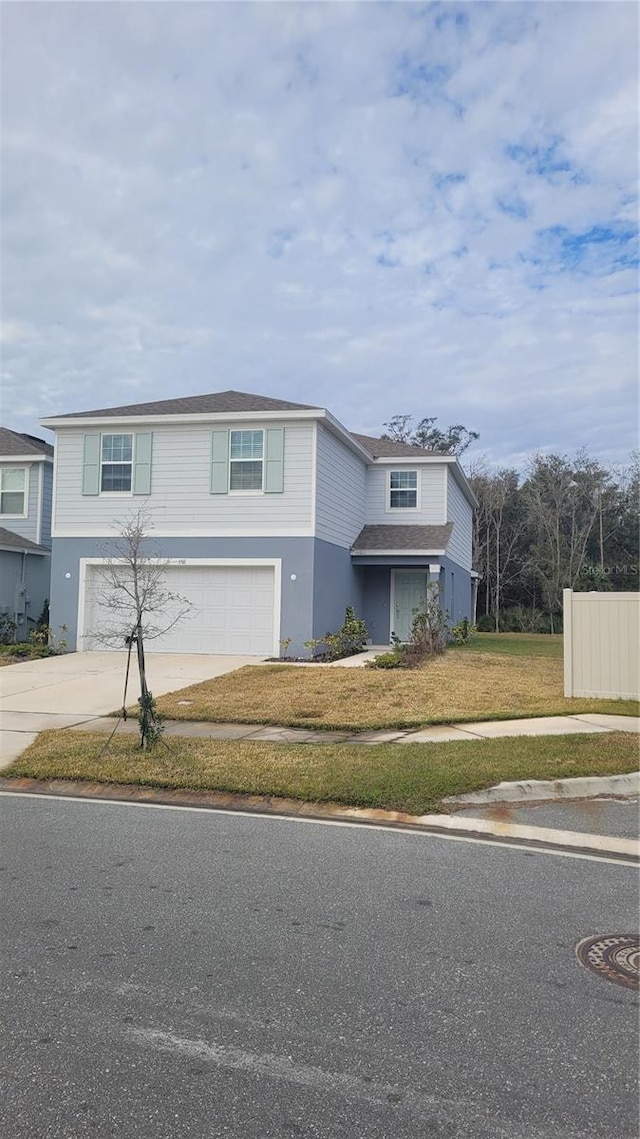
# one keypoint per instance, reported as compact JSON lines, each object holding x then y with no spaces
{"x":336,"y":584}
{"x":297,"y":555}
{"x":376,"y":591}
{"x":455,"y":583}
{"x":24,"y":588}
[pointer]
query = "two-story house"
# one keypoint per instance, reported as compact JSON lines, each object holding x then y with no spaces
{"x":26,"y":475}
{"x":273,"y":517}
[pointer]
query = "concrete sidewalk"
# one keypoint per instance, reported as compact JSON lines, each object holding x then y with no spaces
{"x":491,"y":729}
{"x":498,"y":820}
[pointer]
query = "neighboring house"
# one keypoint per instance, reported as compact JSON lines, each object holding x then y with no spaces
{"x":274,"y":517}
{"x":26,"y":474}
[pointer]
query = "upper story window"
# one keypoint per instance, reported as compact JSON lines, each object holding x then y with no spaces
{"x":403,"y":490}
{"x":246,"y":457}
{"x":116,"y":463}
{"x":13,"y":490}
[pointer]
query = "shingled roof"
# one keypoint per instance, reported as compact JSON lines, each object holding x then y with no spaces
{"x":15,"y":443}
{"x":11,"y":541}
{"x":389,"y":449}
{"x":229,"y":401}
{"x":421,"y":538}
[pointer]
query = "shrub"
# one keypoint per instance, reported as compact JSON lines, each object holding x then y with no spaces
{"x":7,"y":630}
{"x":351,"y":638}
{"x":317,"y":643}
{"x":428,"y":635}
{"x":519,"y":619}
{"x":348,"y":641}
{"x":393,"y":659}
{"x":463,"y":632}
{"x":486,"y":623}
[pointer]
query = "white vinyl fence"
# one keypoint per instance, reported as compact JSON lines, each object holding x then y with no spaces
{"x":601,"y":639}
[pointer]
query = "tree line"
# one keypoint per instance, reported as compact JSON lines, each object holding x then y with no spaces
{"x":564,"y":522}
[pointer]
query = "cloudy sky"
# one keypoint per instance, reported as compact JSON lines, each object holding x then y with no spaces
{"x":379,"y":208}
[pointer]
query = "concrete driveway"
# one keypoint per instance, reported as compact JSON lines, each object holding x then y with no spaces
{"x":58,"y":692}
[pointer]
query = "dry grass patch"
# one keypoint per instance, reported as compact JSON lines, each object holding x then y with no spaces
{"x":457,"y":687}
{"x":400,"y":777}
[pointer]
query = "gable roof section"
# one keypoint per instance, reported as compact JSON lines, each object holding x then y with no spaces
{"x":221,"y":402}
{"x":381,"y":539}
{"x":388,"y":448}
{"x":11,"y":541}
{"x":15,"y":443}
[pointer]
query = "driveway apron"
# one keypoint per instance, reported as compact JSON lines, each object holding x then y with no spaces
{"x":58,"y":692}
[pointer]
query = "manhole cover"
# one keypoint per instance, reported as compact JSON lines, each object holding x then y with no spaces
{"x":616,"y":957}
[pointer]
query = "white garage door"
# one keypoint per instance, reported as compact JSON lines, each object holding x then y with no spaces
{"x":233,"y":610}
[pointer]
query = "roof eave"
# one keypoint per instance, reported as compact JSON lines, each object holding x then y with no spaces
{"x":53,"y":422}
{"x":32,"y":458}
{"x":380,"y":553}
{"x":411,"y":460}
{"x":41,"y":551}
{"x":345,"y":435}
{"x":313,"y":413}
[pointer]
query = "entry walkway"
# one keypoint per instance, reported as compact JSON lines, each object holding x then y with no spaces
{"x":593,"y":723}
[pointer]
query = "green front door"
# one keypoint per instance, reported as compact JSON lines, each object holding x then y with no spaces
{"x":409,"y":594}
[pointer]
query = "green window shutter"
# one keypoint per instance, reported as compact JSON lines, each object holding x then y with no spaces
{"x":219,"y":462}
{"x":91,"y":465}
{"x":274,"y":460}
{"x":142,"y":462}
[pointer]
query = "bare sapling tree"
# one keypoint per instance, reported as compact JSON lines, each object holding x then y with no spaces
{"x":136,"y":606}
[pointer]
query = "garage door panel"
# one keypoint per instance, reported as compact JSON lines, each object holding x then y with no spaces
{"x":233,"y":610}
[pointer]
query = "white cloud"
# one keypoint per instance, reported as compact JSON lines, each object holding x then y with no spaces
{"x":384,"y":208}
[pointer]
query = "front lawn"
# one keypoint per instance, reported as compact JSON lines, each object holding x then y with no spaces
{"x":465,"y":684}
{"x":398,"y":777}
{"x":515,"y":644}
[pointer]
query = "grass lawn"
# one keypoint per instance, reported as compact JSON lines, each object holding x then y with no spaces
{"x":474,"y":682}
{"x":515,"y":644}
{"x":400,"y":777}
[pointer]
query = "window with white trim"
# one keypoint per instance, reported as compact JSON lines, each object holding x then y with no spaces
{"x":116,"y":463}
{"x":403,"y":490}
{"x":246,"y":455}
{"x":13,"y":490}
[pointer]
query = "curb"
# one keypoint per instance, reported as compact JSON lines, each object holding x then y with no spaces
{"x":540,"y":838}
{"x":544,"y":790}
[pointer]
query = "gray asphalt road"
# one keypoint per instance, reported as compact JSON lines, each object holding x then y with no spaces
{"x":171,"y":974}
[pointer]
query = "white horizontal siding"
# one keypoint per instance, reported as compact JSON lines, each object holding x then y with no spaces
{"x":180,"y":501}
{"x":25,"y":527}
{"x":340,"y":491}
{"x":432,"y":497}
{"x":459,"y":512}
